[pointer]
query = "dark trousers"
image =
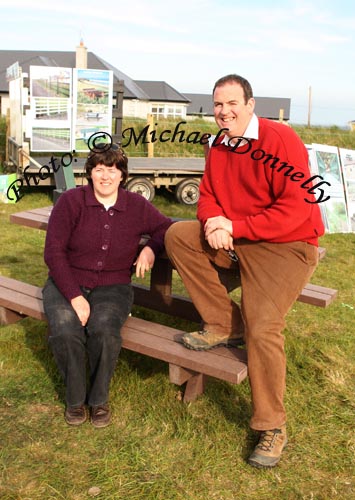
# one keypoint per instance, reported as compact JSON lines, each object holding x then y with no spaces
{"x":99,"y":342}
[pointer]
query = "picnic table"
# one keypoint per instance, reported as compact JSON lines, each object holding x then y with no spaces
{"x":18,"y":299}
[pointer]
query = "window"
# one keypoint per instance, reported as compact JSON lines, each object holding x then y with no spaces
{"x":158,"y":110}
{"x":167,"y":110}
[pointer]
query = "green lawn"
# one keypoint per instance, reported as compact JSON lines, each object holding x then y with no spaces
{"x":159,"y":448}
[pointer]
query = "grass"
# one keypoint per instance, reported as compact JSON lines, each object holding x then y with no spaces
{"x":193,"y":130}
{"x":159,"y":448}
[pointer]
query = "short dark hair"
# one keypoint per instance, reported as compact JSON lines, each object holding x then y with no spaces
{"x":247,"y":90}
{"x":114,"y":156}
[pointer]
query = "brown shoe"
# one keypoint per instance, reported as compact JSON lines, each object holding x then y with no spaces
{"x":204,"y":340}
{"x":75,"y":415}
{"x":100,"y":416}
{"x":267,"y":452}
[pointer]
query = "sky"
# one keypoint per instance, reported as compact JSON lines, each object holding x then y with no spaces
{"x":293,"y":49}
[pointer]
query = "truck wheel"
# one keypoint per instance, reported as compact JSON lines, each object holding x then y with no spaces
{"x":187,"y":192}
{"x":143,"y":187}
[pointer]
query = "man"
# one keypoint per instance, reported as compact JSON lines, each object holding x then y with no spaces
{"x":257,"y":216}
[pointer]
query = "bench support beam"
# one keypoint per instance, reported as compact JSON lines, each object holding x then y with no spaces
{"x":8,"y":317}
{"x":195,"y":381}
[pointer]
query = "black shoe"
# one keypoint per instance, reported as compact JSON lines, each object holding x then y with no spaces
{"x":100,"y":416}
{"x":75,"y":415}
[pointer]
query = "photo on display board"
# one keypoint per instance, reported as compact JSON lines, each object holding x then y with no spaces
{"x":334,"y":211}
{"x":50,"y":112}
{"x":347,"y":158}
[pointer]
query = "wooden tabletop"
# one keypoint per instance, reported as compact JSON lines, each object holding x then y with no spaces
{"x":158,"y":294}
{"x":36,"y":217}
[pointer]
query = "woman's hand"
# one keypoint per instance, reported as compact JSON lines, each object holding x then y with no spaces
{"x":82,"y":308}
{"x":144,"y":262}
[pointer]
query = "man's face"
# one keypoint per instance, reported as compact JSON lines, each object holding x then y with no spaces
{"x":230,"y":110}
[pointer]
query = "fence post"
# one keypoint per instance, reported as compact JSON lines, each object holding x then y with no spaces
{"x":117,"y":112}
{"x":150,"y":143}
{"x":23,"y":160}
{"x":7,"y":145}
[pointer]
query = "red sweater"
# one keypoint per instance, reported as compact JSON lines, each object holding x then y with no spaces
{"x":89,"y":246}
{"x":262,"y":202}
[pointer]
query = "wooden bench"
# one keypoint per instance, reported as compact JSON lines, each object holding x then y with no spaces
{"x":19,"y":300}
{"x":158,"y":295}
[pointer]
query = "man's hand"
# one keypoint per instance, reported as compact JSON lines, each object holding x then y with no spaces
{"x":82,"y":308}
{"x":219,"y":222}
{"x":220,"y":239}
{"x":144,"y":262}
{"x":218,"y":232}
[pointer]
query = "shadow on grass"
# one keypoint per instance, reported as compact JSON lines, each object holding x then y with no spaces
{"x":231,"y":401}
{"x":36,"y":335}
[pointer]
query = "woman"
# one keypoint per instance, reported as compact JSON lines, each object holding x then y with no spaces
{"x":91,"y":246}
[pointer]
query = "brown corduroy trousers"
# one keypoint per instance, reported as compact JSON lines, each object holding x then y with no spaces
{"x":272,"y":276}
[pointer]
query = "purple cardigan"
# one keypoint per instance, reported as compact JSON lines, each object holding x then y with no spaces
{"x":87,"y":245}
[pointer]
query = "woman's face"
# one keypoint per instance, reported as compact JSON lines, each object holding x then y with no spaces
{"x":105,"y":180}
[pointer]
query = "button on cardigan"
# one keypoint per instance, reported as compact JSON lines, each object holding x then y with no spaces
{"x":87,"y":245}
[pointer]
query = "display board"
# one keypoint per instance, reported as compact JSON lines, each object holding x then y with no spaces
{"x":336,"y":167}
{"x":347,"y":160}
{"x":68,"y":106}
{"x":92,"y":104}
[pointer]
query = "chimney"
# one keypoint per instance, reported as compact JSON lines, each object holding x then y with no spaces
{"x":81,"y":60}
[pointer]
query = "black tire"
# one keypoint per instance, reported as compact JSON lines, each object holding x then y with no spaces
{"x":187,"y":192}
{"x":143,"y":187}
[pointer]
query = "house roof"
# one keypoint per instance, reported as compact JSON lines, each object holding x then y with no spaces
{"x":161,"y":91}
{"x":266,"y":107}
{"x":27,"y":58}
{"x":269,"y":107}
{"x":201,"y":104}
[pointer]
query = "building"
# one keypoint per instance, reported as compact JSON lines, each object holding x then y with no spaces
{"x":274,"y":108}
{"x":164,"y":100}
{"x":140,"y":97}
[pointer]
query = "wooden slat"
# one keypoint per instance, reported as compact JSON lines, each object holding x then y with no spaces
{"x":317,"y":295}
{"x":44,"y":211}
{"x":21,"y":303}
{"x":165,"y":332}
{"x":19,"y":286}
{"x":321,"y":252}
{"x":30,"y":220}
{"x":180,"y":306}
{"x":145,"y":337}
{"x":321,"y":289}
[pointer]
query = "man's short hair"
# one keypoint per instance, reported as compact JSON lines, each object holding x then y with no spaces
{"x":247,"y":90}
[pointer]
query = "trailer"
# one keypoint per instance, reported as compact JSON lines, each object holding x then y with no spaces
{"x":181,"y":176}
